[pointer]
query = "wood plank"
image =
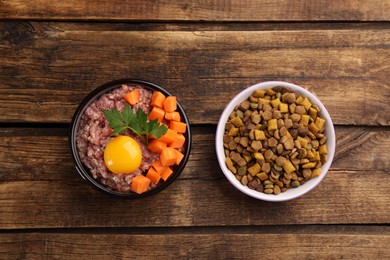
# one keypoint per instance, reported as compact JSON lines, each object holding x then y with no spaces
{"x":307,"y":244}
{"x":201,"y":10}
{"x":26,"y":156}
{"x":45,"y":74}
{"x":38,"y":180}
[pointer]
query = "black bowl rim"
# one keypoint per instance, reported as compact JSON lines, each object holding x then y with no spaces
{"x":93,"y":95}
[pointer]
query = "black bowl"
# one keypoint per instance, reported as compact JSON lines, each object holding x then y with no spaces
{"x":83,"y":170}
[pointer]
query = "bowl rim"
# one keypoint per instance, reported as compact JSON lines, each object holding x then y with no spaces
{"x":290,"y":193}
{"x":95,"y":94}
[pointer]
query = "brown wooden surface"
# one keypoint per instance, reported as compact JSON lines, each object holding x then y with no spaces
{"x":355,"y":189}
{"x":281,"y":243}
{"x":204,"y":69}
{"x":199,"y":10}
{"x":53,"y":53}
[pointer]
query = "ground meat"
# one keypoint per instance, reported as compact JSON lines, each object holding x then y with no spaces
{"x":94,"y":133}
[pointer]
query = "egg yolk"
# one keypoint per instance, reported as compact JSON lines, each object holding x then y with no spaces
{"x":122,"y":155}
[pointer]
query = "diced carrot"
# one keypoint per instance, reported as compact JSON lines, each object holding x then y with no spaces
{"x":140,"y":184}
{"x":156,"y":113}
{"x":153,"y":175}
{"x":179,"y":127}
{"x":169,"y":137}
{"x":179,"y":157}
{"x":132,"y":97}
{"x":170,"y":104}
{"x":156,"y":146}
{"x":168,"y":156}
{"x":158,"y":99}
{"x":179,"y":141}
{"x":165,"y":175}
{"x":175,"y":116}
{"x":157,"y":165}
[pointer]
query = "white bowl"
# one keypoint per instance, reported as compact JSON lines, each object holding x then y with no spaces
{"x":291,"y":193}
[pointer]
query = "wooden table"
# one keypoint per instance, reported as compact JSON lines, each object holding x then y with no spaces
{"x":52,"y":53}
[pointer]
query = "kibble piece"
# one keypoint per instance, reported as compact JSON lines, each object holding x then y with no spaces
{"x":277,"y":190}
{"x":306,"y":173}
{"x":244,"y":180}
{"x":304,"y":142}
{"x":272,"y":124}
{"x":309,"y":165}
{"x":295,"y":184}
{"x":244,"y":106}
{"x":275,"y":103}
{"x":303,"y":131}
{"x":256,"y":145}
{"x":313,"y":128}
{"x":279,"y":148}
{"x":288,"y":98}
{"x":292,"y":107}
{"x":315,"y":144}
{"x":277,"y":134}
{"x":320,"y":123}
{"x":302,"y":153}
{"x":262,"y":176}
{"x":289,"y":144}
{"x":323,"y":149}
{"x":232,"y":145}
{"x":233,"y":131}
{"x":313,"y":112}
{"x":254,"y":169}
{"x":295,"y":117}
{"x":277,"y":114}
{"x":306,"y":103}
{"x":266,"y":167}
{"x":288,"y":167}
{"x":288,"y":123}
{"x":254,"y":184}
{"x":229,"y":164}
{"x":259,"y":135}
{"x":244,"y":141}
{"x":272,"y":142}
{"x":283,"y":131}
{"x":255,"y":118}
{"x":237,"y":122}
{"x":270,"y":92}
{"x":228,"y":126}
{"x":259,"y":157}
{"x":258,"y":93}
{"x":247,"y":158}
{"x":268,"y":154}
{"x":263,"y":101}
{"x":300,"y":110}
{"x":281,"y":161}
{"x":242,"y":170}
{"x":283,"y":108}
{"x":267,"y":115}
{"x":316,"y":173}
{"x":304,"y":120}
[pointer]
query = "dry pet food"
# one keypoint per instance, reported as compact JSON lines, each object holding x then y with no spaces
{"x":275,"y":140}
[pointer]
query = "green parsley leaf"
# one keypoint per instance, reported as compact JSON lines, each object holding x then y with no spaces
{"x":135,"y":121}
{"x":156,"y":129}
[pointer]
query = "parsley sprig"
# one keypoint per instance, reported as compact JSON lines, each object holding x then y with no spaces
{"x":135,"y":121}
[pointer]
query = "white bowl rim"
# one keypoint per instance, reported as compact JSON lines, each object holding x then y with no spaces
{"x":290,"y":193}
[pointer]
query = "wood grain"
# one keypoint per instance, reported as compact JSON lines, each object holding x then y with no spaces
{"x":45,"y":73}
{"x":38,"y":180}
{"x":308,"y":243}
{"x":28,"y":154}
{"x":201,"y":10}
